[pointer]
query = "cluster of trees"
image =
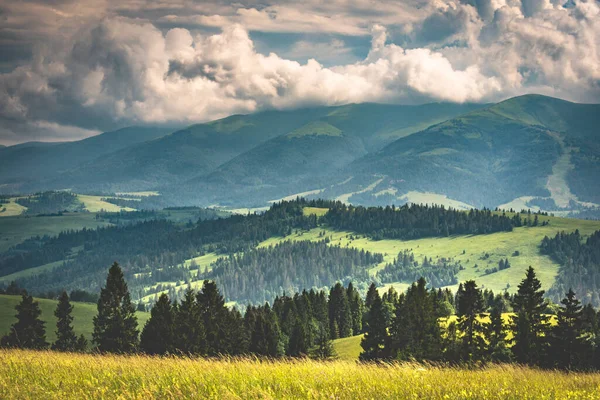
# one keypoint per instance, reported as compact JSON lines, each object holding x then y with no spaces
{"x":145,"y":247}
{"x":51,"y":202}
{"x":579,"y":265}
{"x":502,"y":265}
{"x":259,"y":275}
{"x":416,"y":221}
{"x":415,"y":331}
{"x":442,"y":272}
{"x":407,"y":326}
{"x":29,"y":331}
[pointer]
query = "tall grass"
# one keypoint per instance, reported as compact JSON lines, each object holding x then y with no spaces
{"x":41,"y":375}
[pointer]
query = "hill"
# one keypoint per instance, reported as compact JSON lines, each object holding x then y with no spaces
{"x":198,"y":150}
{"x":27,"y":166}
{"x":531,"y":147}
{"x":83,"y":314}
{"x":309,"y":156}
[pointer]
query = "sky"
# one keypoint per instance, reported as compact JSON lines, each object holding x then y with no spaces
{"x":72,"y":69}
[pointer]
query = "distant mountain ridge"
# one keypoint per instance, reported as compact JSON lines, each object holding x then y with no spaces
{"x":526,"y":151}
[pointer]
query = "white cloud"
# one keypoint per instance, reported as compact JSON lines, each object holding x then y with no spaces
{"x":126,"y":70}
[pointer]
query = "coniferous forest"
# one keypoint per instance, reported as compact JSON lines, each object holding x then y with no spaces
{"x":580,"y":265}
{"x":415,"y":325}
{"x":153,"y":250}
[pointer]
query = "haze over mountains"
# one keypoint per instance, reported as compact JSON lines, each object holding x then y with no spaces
{"x":530,"y":150}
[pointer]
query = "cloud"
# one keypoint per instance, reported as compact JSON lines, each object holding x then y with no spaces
{"x":120,"y":70}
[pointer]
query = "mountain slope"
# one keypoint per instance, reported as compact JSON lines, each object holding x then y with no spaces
{"x":22,"y":165}
{"x":491,"y":156}
{"x":310,"y":155}
{"x":193,"y":151}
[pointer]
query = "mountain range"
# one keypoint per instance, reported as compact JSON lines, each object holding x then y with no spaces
{"x":530,"y":151}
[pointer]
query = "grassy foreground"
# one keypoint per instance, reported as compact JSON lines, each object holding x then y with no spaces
{"x":28,"y":374}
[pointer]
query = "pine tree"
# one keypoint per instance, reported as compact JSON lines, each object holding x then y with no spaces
{"x":298,"y":344}
{"x":65,"y":336}
{"x":213,"y":315}
{"x":415,"y":331}
{"x":567,"y":342}
{"x":495,"y":334}
{"x":356,"y":308}
{"x":115,"y":326}
{"x":189,"y":336}
{"x":469,"y":309}
{"x":530,"y":325}
{"x":339,"y":311}
{"x":370,"y":297}
{"x":28,"y":332}
{"x":323,"y":349}
{"x":376,"y":335}
{"x":158,"y":336}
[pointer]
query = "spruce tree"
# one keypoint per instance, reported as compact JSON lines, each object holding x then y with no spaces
{"x":495,"y":334}
{"x":567,"y":342}
{"x":323,"y":348}
{"x":65,"y":336}
{"x":415,"y":331}
{"x":298,"y":344}
{"x":469,"y":309}
{"x":28,"y":332}
{"x":356,"y":308}
{"x":158,"y":336}
{"x":530,"y":325}
{"x":115,"y":326}
{"x":339,"y":311}
{"x":213,"y":314}
{"x":376,"y":336}
{"x":189,"y":335}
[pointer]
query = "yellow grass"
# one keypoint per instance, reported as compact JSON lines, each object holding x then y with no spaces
{"x":49,"y":375}
{"x":11,"y":209}
{"x":95,"y":204}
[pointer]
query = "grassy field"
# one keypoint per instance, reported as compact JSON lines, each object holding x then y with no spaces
{"x":14,"y":230}
{"x":50,"y":375}
{"x":11,"y":209}
{"x":95,"y":204}
{"x":470,"y":250}
{"x":83,"y":314}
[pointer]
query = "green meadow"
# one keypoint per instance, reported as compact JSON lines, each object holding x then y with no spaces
{"x":83,"y":314}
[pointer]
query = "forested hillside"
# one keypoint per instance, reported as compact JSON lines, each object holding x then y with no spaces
{"x":580,"y":265}
{"x":162,"y":254}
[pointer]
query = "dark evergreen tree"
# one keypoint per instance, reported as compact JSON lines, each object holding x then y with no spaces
{"x":415,"y":331}
{"x":340,"y":316}
{"x":66,"y":340}
{"x":356,"y":308}
{"x":189,"y":335}
{"x":28,"y":332}
{"x":214,"y":317}
{"x":376,"y":335}
{"x":568,"y":346}
{"x":469,"y":311}
{"x":115,"y":326}
{"x":158,"y":335}
{"x":530,"y":325}
{"x":495,"y":334}
{"x":323,"y":348}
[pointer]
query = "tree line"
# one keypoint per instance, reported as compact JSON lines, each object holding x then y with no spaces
{"x":51,"y":202}
{"x":415,"y":221}
{"x":145,"y":248}
{"x":258,"y":275}
{"x":415,"y":332}
{"x":415,"y":325}
{"x":404,"y":268}
{"x":579,"y":265}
